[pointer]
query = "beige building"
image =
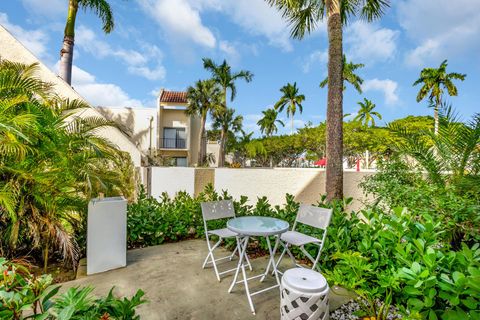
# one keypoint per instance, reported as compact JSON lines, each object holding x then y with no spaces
{"x":11,"y":49}
{"x":166,"y":132}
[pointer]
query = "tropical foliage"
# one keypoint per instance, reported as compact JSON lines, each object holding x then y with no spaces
{"x":223,"y":75}
{"x":52,"y":161}
{"x":366,"y":114}
{"x":268,"y":123}
{"x":434,"y":81}
{"x":228,"y":123}
{"x":349,"y":75}
{"x":292,"y":100}
{"x":25,"y":296}
{"x":204,"y":98}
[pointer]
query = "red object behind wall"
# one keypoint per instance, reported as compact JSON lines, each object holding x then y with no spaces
{"x":321,"y":162}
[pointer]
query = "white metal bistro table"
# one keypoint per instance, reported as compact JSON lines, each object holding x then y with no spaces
{"x":247,"y":227}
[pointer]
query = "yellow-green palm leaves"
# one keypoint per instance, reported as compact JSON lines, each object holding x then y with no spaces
{"x":366,"y":115}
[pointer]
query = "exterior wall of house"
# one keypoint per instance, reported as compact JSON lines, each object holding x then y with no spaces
{"x":174,"y":116}
{"x":135,"y":121}
{"x":306,"y":185}
{"x":11,"y":49}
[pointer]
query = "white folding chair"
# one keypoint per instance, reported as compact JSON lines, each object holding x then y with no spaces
{"x":215,"y":210}
{"x":312,"y":216}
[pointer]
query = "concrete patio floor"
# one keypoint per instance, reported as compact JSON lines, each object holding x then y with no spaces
{"x":176,"y":286}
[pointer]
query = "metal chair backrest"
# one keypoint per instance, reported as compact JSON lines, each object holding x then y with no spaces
{"x":217,"y":210}
{"x":313,"y":216}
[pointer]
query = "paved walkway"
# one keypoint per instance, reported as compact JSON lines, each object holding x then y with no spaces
{"x":178,"y":288}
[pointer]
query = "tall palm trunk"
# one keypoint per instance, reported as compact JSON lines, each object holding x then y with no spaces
{"x":435,"y":116}
{"x":221,"y":160}
{"x":202,"y":141}
{"x":334,"y":172}
{"x":66,"y":54}
{"x":291,"y":125}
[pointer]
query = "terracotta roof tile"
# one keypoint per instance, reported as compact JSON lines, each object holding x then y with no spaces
{"x":173,"y":96}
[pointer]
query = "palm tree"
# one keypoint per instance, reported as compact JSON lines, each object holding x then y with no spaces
{"x":225,"y":78}
{"x":292,"y":99}
{"x":227,"y":123}
{"x":366,"y":114}
{"x":349,"y":75}
{"x":203,"y":98}
{"x":51,"y":163}
{"x":268,"y":124}
{"x":102,"y":9}
{"x":434,"y":81}
{"x":304,"y":16}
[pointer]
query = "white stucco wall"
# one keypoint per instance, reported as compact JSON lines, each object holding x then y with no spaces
{"x":11,"y":49}
{"x":138,"y":121}
{"x":305,"y":184}
{"x":171,"y":180}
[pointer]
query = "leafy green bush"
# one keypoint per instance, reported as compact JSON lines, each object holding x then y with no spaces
{"x":152,"y":222}
{"x":398,"y":184}
{"x":24,"y":296}
{"x":403,"y":256}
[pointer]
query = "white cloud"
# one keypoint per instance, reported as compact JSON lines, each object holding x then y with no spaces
{"x":258,"y":18}
{"x":386,"y":86}
{"x":367,"y":42}
{"x":138,"y":63}
{"x":100,"y":94}
{"x":34,"y":40}
{"x":230,"y":51}
{"x":441,"y":29}
{"x":314,"y":58}
{"x":50,"y":8}
{"x":179,"y":20}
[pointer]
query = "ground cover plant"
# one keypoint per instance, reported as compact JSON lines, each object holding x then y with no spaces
{"x":25,"y":296}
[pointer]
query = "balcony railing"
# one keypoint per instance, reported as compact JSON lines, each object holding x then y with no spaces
{"x":171,"y":143}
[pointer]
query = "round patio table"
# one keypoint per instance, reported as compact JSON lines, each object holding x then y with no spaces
{"x":252,"y":226}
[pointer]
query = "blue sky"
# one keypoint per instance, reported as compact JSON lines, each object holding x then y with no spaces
{"x":159,"y":44}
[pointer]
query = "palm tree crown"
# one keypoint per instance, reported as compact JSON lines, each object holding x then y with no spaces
{"x":225,"y":78}
{"x":268,"y":124}
{"x":349,"y":75}
{"x":434,"y":81}
{"x":366,"y":114}
{"x":303,"y":16}
{"x":290,"y":99}
{"x":226,"y":121}
{"x":203,"y":98}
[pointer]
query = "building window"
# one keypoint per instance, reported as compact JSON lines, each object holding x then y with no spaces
{"x":178,"y":161}
{"x":174,"y":138}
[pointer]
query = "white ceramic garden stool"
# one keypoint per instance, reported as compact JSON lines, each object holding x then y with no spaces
{"x":304,"y":295}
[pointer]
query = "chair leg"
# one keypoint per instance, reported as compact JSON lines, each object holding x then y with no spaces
{"x":317,"y":258}
{"x":210,"y":254}
{"x":305,"y":252}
